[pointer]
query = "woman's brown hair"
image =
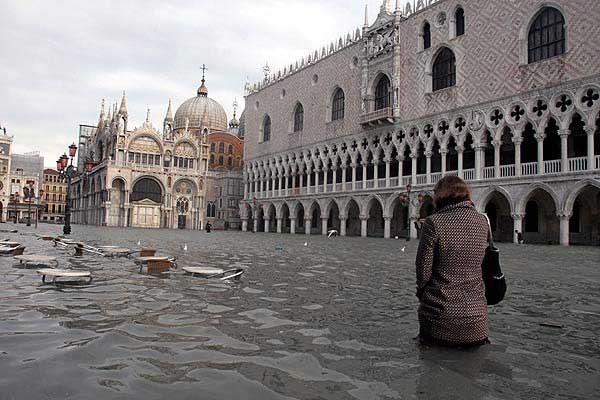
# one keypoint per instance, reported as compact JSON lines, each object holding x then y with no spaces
{"x":450,"y":190}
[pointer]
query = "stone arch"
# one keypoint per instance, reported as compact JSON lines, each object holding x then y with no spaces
{"x":285,"y":216}
{"x":352,"y":214}
{"x":141,"y":135}
{"x":181,"y":185}
{"x":520,"y":204}
{"x":498,"y":206}
{"x":374,"y":214}
{"x":151,"y":178}
{"x":540,"y":208}
{"x":441,"y":48}
{"x":567,"y":206}
{"x":271,"y":216}
{"x":398,"y":214}
{"x":314,"y":215}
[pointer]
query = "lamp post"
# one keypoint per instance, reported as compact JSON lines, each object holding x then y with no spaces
{"x":28,"y":194}
{"x":407,"y":200}
{"x":67,"y":171}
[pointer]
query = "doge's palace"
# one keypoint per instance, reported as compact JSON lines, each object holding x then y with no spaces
{"x":505,"y":94}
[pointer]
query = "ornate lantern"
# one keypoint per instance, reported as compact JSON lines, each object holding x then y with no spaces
{"x":72,"y":150}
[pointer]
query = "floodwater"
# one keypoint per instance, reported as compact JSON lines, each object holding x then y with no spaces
{"x":319,"y":319}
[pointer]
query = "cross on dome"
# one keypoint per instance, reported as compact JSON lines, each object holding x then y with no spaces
{"x":203,"y":90}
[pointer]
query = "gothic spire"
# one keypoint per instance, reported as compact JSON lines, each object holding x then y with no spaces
{"x":169,"y":116}
{"x":123,"y":108}
{"x":366,"y":16}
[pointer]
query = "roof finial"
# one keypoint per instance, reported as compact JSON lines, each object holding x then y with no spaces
{"x":366,"y":15}
{"x":398,"y":6}
{"x":266,"y":70}
{"x":202,"y":90}
{"x":385,"y":6}
{"x":148,"y":116}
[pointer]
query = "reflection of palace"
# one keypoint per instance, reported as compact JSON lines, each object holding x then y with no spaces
{"x":148,"y":179}
{"x":503,"y":94}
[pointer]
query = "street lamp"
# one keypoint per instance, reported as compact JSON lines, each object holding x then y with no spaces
{"x":406,"y":200}
{"x":67,"y":171}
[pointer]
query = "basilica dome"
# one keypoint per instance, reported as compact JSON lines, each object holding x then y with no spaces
{"x":201,"y":111}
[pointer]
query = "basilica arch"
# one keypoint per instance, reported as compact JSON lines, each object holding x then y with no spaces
{"x":146,"y":199}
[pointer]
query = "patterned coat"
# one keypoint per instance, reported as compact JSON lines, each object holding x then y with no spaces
{"x":450,"y":286}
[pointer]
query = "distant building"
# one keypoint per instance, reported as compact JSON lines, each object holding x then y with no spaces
{"x":26,"y":171}
{"x":5,"y":151}
{"x":54,"y":196}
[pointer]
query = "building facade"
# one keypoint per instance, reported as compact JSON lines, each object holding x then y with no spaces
{"x":503,"y":94}
{"x":54,"y":196}
{"x":26,"y":171}
{"x":225,"y":177}
{"x":5,"y":182}
{"x":147,"y":179}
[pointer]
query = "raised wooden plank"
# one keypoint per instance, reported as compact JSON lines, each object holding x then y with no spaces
{"x":36,"y":259}
{"x":148,"y":259}
{"x":64,"y":273}
{"x":203,"y":271}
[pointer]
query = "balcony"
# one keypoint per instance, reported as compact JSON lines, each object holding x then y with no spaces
{"x":385,"y":116}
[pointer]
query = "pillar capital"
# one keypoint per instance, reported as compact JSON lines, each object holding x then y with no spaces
{"x":517,"y":216}
{"x":563,"y":133}
{"x":564,"y":216}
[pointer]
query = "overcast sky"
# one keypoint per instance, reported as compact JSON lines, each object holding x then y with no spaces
{"x":58,"y":59}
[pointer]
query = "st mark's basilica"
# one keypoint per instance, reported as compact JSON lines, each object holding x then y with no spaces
{"x":181,"y":178}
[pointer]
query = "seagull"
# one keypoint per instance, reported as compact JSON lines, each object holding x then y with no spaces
{"x":396,"y":238}
{"x":305,"y":244}
{"x":403,"y":249}
{"x":185,"y":247}
{"x":139,"y":243}
{"x":332,"y":233}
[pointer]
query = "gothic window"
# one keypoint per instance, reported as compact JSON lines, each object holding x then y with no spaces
{"x":338,"y":106}
{"x":213,"y":147}
{"x":382,"y":93}
{"x":212,"y":158}
{"x":230,"y":162}
{"x":546,"y":35}
{"x":426,"y":36}
{"x":459,"y":16}
{"x":221,"y":147}
{"x":444,"y":70}
{"x":266,"y":131}
{"x":230,"y":150}
{"x":299,"y":118}
{"x":221,"y":160}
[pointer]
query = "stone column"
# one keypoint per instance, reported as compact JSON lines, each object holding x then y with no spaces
{"x":478,"y":163}
{"x":387,"y":227}
{"x":343,"y":226}
{"x":316,"y":180}
{"x":564,"y":229}
{"x":307,"y":226}
{"x":267,"y":221}
{"x":280,"y":186}
{"x":353,"y":165}
{"x":443,"y":153}
{"x":292,"y":226}
{"x":460,"y":150}
{"x":324,"y":228}
{"x":414,"y":169}
{"x":246,"y":189}
{"x":591,"y":161}
{"x":375,"y":174}
{"x":293,"y":182}
{"x":564,"y":147}
{"x":245,"y":225}
{"x":301,"y":180}
{"x":387,"y":172}
{"x":344,"y":168}
{"x":273,"y":186}
{"x":428,"y":171}
{"x":334,"y":169}
{"x":400,"y":171}
{"x":325,"y":178}
{"x":411,"y":228}
{"x":363,"y":225}
{"x":308,"y":175}
{"x":255,"y":224}
{"x":279,"y":225}
{"x":540,"y":154}
{"x":497,"y":145}
{"x":364,"y":180}
{"x":286,"y":184}
{"x":517,"y":226}
{"x":517,"y":141}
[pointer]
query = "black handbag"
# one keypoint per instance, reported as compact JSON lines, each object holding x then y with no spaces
{"x":493,"y":278}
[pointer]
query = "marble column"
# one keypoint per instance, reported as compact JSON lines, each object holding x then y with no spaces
{"x":591,"y":159}
{"x":517,"y":141}
{"x":387,"y":172}
{"x":478,"y":163}
{"x":387,"y":227}
{"x":292,"y":226}
{"x":324,"y":228}
{"x":414,"y":169}
{"x":343,"y":226}
{"x":428,"y":165}
{"x":344,"y":168}
{"x":517,"y":227}
{"x":279,"y":225}
{"x":444,"y":154}
{"x":497,"y":145}
{"x":245,"y":225}
{"x":375,"y":174}
{"x":353,"y":165}
{"x":307,"y":226}
{"x":564,"y":229}
{"x":363,"y":226}
{"x":564,"y":148}
{"x":540,"y":154}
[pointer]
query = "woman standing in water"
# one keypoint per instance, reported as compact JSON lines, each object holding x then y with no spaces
{"x":453,"y":308}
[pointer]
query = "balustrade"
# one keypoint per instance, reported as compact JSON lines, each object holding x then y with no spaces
{"x":489,"y":172}
{"x":370,"y":184}
{"x":597,"y":162}
{"x":394,"y":182}
{"x":530,"y":168}
{"x":469,"y":174}
{"x":406,"y":180}
{"x":507,"y":171}
{"x":552,"y":166}
{"x":577,"y":164}
{"x":435,"y":177}
{"x":422,"y":179}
